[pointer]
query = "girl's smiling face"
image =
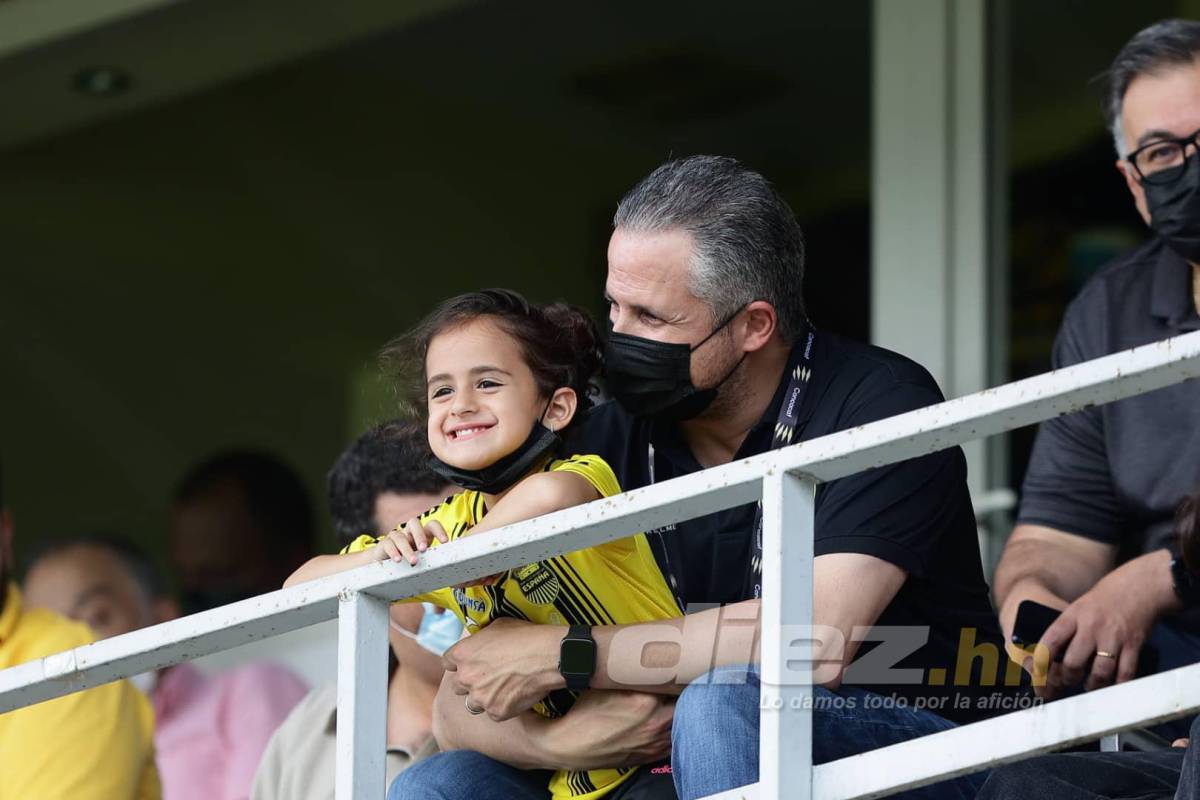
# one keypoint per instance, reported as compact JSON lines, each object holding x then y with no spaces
{"x":483,"y":399}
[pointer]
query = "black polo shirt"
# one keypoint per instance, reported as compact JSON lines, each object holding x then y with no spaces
{"x":1116,"y":473}
{"x":916,"y":514}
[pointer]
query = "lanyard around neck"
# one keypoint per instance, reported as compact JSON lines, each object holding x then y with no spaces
{"x":787,"y":425}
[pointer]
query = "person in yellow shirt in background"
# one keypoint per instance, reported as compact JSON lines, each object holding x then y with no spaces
{"x":501,"y":382}
{"x":91,"y":745}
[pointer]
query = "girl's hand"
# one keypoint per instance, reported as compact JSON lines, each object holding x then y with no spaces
{"x":406,"y":540}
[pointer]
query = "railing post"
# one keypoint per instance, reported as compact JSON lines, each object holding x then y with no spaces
{"x":361,"y":696}
{"x":785,"y":732}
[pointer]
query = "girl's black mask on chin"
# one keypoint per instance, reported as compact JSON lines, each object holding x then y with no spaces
{"x":501,"y":475}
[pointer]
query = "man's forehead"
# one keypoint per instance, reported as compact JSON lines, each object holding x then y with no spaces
{"x":87,"y":566}
{"x":649,"y":266}
{"x":1166,"y":101}
{"x":64,"y":581}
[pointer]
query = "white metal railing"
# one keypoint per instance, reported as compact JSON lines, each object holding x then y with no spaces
{"x":785,"y":480}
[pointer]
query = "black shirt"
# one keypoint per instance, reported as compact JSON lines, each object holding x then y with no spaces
{"x":1116,"y":473}
{"x":916,"y":514}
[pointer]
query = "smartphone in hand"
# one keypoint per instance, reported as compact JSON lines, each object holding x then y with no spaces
{"x":1033,"y":620}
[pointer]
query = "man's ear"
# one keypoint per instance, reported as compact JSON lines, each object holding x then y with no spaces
{"x":561,"y":410}
{"x":1135,"y":188}
{"x":761,"y":322}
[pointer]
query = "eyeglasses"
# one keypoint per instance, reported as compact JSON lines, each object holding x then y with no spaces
{"x":1164,"y":161}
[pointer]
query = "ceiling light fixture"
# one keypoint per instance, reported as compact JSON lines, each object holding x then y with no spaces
{"x":102,"y":81}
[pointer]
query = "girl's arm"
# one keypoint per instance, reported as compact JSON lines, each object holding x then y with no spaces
{"x":540,"y":493}
{"x":322,"y":566}
{"x":396,"y":545}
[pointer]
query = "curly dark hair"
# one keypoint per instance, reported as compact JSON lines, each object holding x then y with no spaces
{"x":560,"y":343}
{"x":391,"y":457}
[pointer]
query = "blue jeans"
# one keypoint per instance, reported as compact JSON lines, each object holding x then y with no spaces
{"x":1172,"y":774}
{"x":467,"y":775}
{"x":715,"y":734}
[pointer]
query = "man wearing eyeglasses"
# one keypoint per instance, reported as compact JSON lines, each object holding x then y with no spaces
{"x":1093,"y":533}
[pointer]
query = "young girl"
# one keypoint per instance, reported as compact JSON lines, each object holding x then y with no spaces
{"x":503,"y":381}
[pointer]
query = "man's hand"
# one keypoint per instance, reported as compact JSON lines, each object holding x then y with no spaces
{"x":506,"y":667}
{"x":1100,"y":635}
{"x":610,"y":729}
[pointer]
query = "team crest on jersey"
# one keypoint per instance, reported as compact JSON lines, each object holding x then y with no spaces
{"x":538,"y":584}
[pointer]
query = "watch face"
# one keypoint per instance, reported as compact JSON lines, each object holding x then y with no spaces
{"x":577,"y":657}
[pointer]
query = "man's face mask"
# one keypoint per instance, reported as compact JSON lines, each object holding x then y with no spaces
{"x":654,"y":379}
{"x":1175,"y":207}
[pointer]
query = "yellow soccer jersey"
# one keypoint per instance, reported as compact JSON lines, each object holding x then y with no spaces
{"x":611,"y":584}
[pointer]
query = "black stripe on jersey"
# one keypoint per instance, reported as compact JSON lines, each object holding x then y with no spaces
{"x":506,"y":607}
{"x":429,"y":512}
{"x":585,"y":779}
{"x":477,"y":509}
{"x":584,"y":592}
{"x":575,"y":779}
{"x":568,"y":604}
{"x":494,"y":596}
{"x":587,"y":588}
{"x":590,"y":615}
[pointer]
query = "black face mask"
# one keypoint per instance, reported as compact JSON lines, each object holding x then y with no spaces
{"x":508,"y":470}
{"x":1175,"y":209}
{"x":654,"y":379}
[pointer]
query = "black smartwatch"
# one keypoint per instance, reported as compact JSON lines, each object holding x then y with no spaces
{"x":1187,"y":583}
{"x":577,"y":657}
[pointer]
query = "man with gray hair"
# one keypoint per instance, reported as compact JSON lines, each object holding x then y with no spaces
{"x":711,"y":358}
{"x":1093,"y":535}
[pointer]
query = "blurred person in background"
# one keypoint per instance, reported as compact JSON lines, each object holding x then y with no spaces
{"x":91,"y":745}
{"x":240,"y":523}
{"x":380,"y":481}
{"x":211,"y":731}
{"x":1092,"y":535}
